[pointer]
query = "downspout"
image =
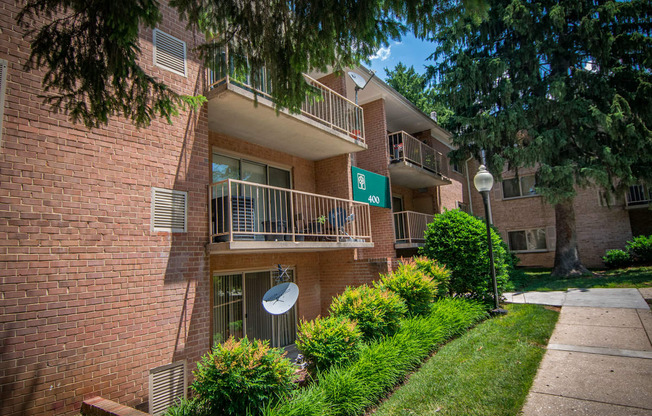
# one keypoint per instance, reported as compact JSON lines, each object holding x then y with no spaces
{"x":468,"y":184}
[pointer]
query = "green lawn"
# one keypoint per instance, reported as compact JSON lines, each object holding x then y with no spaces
{"x":540,"y":280}
{"x":487,"y":371}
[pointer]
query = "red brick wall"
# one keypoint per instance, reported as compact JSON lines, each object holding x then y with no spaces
{"x":92,"y":299}
{"x":598,"y":228}
{"x":375,"y":159}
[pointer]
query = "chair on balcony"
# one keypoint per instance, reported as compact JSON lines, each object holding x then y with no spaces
{"x":338,"y":220}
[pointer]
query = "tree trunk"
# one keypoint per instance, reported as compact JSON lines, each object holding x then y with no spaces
{"x":567,"y":258}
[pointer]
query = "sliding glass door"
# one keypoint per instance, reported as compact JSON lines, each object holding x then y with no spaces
{"x":238,"y":309}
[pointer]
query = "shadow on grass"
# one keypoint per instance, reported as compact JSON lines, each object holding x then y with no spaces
{"x":525,"y":280}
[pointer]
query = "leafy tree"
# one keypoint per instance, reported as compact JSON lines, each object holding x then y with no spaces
{"x":415,"y":87}
{"x":564,"y":86}
{"x":90,"y":48}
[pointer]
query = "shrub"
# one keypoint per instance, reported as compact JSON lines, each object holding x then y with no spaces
{"x":459,"y":241}
{"x":615,"y":259}
{"x":438,"y":273}
{"x":189,"y":407}
{"x":242,"y":377}
{"x":377,"y":312}
{"x":349,"y":390}
{"x":640,"y":249}
{"x":325,"y":342}
{"x":409,"y":282}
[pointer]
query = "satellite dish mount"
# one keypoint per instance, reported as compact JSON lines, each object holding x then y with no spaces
{"x":359,"y":82}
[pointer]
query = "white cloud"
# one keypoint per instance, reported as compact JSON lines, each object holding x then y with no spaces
{"x":382,"y":54}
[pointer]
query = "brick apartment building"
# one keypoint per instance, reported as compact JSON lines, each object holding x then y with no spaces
{"x":527,"y":223}
{"x":127,"y":252}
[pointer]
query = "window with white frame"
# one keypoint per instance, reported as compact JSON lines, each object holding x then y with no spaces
{"x":519,"y":187}
{"x":528,"y":240}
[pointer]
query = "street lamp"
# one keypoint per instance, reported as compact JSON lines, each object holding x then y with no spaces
{"x":483,"y":182}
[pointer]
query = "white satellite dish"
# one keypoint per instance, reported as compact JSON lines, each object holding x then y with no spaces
{"x":358,"y":80}
{"x":280,"y":298}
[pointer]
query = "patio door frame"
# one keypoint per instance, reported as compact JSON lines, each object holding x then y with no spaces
{"x":274,"y":320}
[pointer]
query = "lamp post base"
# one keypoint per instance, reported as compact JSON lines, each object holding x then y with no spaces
{"x":498,"y":312}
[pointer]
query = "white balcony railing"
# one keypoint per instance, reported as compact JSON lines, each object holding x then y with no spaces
{"x":245,"y":211}
{"x":639,"y":195}
{"x":329,"y":108}
{"x":405,"y":148}
{"x":410,"y":226}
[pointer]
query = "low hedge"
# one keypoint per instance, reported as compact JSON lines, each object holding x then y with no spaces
{"x":350,"y":389}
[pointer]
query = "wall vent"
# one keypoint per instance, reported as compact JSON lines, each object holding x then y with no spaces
{"x":169,"y":210}
{"x":166,"y":384}
{"x":3,"y":86}
{"x":169,"y":52}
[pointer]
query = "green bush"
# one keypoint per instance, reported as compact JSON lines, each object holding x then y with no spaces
{"x":438,"y":273}
{"x":242,"y":377}
{"x":377,"y":312}
{"x":640,"y":249}
{"x":408,"y":281}
{"x":349,"y":390}
{"x":189,"y":407}
{"x":459,"y":241}
{"x":615,"y":259}
{"x":329,"y":341}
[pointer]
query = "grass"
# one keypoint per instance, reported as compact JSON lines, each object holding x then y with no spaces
{"x":540,"y":280}
{"x":487,"y":371}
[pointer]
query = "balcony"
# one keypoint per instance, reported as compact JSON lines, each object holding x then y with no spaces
{"x":638,"y":196}
{"x":248,"y":217}
{"x":414,"y":164}
{"x":327,"y":126}
{"x":409,"y":228}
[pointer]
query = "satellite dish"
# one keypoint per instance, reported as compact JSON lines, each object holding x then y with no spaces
{"x":280,"y":298}
{"x":358,"y":80}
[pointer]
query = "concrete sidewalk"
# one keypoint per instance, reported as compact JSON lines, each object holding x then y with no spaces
{"x":599,"y":358}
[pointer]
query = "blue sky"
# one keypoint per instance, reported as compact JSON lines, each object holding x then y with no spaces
{"x":410,"y":51}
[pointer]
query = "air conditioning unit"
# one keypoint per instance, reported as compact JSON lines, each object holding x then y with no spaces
{"x":244,"y":217}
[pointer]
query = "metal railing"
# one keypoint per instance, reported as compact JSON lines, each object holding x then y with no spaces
{"x":639,"y":195}
{"x":410,"y":226}
{"x":405,"y":148}
{"x":245,"y":211}
{"x":328,"y":108}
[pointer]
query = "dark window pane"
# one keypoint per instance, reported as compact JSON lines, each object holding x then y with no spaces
{"x":517,"y":240}
{"x":510,"y":188}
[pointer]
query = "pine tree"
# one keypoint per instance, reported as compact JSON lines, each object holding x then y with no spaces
{"x":89,"y":48}
{"x":564,"y":86}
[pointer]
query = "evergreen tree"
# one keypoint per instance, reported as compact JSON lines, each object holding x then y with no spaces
{"x":564,"y":86}
{"x":415,"y":87}
{"x":90,"y":48}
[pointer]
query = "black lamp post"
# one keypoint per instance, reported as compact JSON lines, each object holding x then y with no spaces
{"x":483,"y":182}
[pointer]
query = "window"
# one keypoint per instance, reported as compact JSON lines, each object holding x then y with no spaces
{"x":169,"y":52}
{"x":519,"y":187}
{"x":462,"y":206}
{"x":226,"y":167}
{"x":169,"y":210}
{"x":459,"y":168}
{"x":528,"y":240}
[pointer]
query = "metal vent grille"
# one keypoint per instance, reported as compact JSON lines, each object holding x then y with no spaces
{"x":169,"y":52}
{"x":166,"y":384}
{"x":3,"y":85}
{"x":169,"y":210}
